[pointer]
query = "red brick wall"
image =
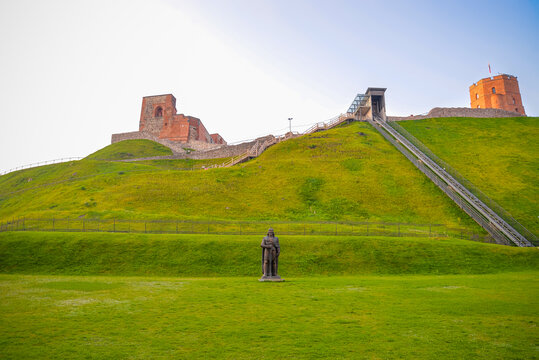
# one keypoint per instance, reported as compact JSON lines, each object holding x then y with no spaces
{"x":177,"y":129}
{"x":217,"y":139}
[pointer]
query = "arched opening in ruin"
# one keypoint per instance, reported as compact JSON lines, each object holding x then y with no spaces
{"x":159,"y":112}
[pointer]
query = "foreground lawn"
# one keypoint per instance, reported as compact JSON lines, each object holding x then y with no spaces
{"x":377,"y":317}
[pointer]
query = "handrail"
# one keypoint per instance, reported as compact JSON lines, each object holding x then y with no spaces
{"x":258,"y":148}
{"x":41,"y":163}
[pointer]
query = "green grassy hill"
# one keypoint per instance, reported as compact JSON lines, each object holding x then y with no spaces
{"x":499,"y":156}
{"x":348,"y":173}
{"x":130,"y":149}
{"x":156,"y":296}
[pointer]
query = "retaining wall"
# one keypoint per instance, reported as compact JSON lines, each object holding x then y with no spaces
{"x":438,"y":112}
{"x":202,"y":150}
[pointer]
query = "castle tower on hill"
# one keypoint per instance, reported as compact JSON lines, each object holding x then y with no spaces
{"x":160,"y":122}
{"x":158,"y":117}
{"x":498,"y":92}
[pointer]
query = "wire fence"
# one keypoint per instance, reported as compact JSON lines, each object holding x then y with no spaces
{"x":241,"y":228}
{"x":42,"y":163}
{"x":465,"y":182}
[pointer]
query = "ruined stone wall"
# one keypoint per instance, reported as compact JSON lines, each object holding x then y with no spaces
{"x":203,"y":150}
{"x":134,"y":135}
{"x":458,"y":112}
{"x":177,"y":148}
{"x":228,"y":150}
{"x":201,"y":145}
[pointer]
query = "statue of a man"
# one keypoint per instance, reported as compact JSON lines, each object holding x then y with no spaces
{"x":270,"y":256}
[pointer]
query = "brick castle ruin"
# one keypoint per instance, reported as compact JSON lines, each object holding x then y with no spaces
{"x":160,"y":122}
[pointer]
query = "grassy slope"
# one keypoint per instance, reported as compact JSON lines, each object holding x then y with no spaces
{"x":399,"y":317}
{"x":348,"y":173}
{"x":232,"y":255}
{"x":130,"y":149}
{"x":499,"y":156}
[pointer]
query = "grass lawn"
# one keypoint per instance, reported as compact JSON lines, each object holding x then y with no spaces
{"x":499,"y":156}
{"x":490,"y":316}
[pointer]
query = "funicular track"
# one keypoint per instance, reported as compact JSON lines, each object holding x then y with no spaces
{"x":497,"y":227}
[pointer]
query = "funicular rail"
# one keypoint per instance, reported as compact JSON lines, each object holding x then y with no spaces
{"x":474,"y":207}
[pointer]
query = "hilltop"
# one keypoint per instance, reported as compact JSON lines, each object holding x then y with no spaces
{"x":130,"y":149}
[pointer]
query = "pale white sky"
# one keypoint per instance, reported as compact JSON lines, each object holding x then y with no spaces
{"x":74,"y":72}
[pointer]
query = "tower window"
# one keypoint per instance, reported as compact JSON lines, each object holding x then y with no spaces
{"x":479,"y":106}
{"x":494,"y":90}
{"x":159,"y":112}
{"x":514,"y":101}
{"x":477,"y":96}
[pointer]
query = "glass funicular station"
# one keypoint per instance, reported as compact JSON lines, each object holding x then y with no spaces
{"x":368,"y":106}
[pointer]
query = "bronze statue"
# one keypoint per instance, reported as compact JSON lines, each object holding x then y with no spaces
{"x":270,"y":257}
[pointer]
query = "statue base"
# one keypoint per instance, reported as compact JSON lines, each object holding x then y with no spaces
{"x":276,"y":278}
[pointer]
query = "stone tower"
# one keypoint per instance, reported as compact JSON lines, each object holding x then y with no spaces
{"x":156,"y":111}
{"x":498,"y":92}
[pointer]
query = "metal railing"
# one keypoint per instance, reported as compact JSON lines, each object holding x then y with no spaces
{"x":329,"y":124}
{"x":257,"y":149}
{"x":168,"y":226}
{"x":41,"y":163}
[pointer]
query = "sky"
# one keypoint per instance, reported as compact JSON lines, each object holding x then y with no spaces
{"x":74,"y":72}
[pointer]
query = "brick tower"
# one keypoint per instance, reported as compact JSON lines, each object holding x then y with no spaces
{"x":158,"y":117}
{"x":498,"y":92}
{"x":160,"y":122}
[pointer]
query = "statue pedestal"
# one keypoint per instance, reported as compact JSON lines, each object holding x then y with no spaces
{"x":271,"y":278}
